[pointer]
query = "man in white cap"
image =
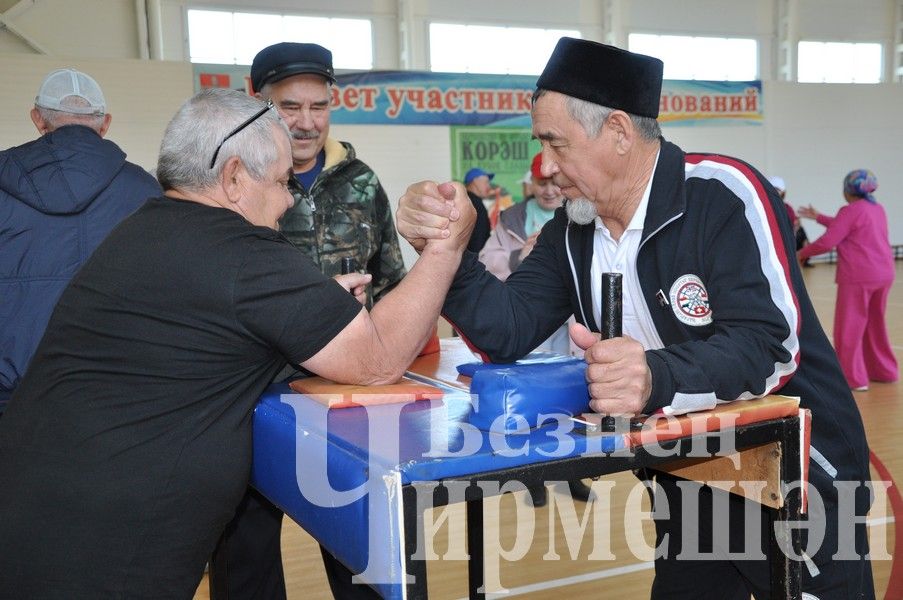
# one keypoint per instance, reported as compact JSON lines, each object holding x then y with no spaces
{"x":61,"y":194}
{"x":715,"y":308}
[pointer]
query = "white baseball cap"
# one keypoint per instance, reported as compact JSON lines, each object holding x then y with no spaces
{"x":778,"y":183}
{"x":71,"y":91}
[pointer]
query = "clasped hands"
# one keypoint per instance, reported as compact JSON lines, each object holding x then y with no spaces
{"x":432,"y":213}
{"x":618,"y":377}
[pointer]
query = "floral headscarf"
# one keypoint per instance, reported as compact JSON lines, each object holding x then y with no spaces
{"x":861,"y":183}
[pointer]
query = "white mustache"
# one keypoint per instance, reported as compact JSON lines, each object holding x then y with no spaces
{"x":305,"y":135}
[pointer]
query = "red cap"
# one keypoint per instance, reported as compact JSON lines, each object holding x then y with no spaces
{"x":536,"y":166}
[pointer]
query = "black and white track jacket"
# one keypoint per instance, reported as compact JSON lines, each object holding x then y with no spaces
{"x":718,"y":272}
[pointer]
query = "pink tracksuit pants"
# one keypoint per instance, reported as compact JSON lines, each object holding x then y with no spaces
{"x":860,"y":334}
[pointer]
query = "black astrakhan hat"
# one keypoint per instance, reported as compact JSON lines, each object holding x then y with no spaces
{"x":285,"y":59}
{"x":604,"y":75}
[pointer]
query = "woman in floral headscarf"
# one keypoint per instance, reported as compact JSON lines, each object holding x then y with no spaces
{"x":865,"y":274}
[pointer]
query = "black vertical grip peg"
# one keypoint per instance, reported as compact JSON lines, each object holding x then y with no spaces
{"x":348,"y":265}
{"x":612,"y":318}
{"x":612,"y":307}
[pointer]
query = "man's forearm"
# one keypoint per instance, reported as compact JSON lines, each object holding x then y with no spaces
{"x":404,"y":319}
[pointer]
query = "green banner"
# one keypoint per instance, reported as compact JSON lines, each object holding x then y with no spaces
{"x":505,"y":151}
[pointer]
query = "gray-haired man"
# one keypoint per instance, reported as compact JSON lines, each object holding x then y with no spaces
{"x":127,"y":446}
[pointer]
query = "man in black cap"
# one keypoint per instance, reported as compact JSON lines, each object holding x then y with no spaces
{"x":341,"y":209}
{"x":714,"y":309}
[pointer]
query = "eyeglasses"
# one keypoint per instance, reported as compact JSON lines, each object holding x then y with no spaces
{"x":253,"y":118}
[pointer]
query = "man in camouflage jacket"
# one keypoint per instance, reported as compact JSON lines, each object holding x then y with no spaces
{"x":346,"y":213}
{"x":341,"y":210}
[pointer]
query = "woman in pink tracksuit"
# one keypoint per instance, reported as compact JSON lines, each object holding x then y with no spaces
{"x":865,"y":274}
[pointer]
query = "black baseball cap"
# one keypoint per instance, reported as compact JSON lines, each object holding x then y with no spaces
{"x":285,"y":59}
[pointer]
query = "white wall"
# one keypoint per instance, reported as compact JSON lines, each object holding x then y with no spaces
{"x":80,"y":28}
{"x":818,"y":133}
{"x":859,"y":21}
{"x":141,"y":97}
{"x":812,"y":134}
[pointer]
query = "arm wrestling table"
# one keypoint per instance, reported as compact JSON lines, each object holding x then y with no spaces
{"x":359,"y":479}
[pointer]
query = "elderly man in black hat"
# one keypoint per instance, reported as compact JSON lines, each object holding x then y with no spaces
{"x":714,"y":309}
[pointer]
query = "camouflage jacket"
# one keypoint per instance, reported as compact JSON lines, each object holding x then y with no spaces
{"x":346,"y":214}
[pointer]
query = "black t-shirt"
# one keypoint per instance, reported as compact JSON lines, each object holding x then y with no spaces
{"x":127,"y":445}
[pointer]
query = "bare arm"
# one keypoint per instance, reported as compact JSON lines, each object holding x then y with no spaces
{"x":377,"y":347}
{"x":808,"y":212}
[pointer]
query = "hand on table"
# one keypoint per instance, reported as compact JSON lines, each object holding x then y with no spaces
{"x":618,"y":377}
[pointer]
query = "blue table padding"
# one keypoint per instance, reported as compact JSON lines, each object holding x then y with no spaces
{"x":338,"y":473}
{"x":513,"y":398}
{"x":468,"y":369}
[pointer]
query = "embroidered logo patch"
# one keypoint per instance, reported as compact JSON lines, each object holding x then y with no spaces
{"x":690,"y":301}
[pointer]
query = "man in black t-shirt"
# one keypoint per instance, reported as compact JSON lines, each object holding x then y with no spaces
{"x":127,"y":445}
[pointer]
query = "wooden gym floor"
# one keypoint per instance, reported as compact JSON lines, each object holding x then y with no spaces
{"x":539,"y":575}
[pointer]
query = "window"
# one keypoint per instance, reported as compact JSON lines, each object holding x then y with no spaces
{"x":709,"y":58}
{"x":836,"y":62}
{"x":235,"y":37}
{"x":488,"y":49}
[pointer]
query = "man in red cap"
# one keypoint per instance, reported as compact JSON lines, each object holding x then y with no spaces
{"x":515,"y":234}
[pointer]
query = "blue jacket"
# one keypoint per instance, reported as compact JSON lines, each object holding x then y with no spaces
{"x":717,"y":269}
{"x":60,"y":196}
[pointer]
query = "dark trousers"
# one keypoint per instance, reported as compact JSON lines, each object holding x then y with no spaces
{"x":247,"y":561}
{"x":801,"y":238}
{"x":732,"y":578}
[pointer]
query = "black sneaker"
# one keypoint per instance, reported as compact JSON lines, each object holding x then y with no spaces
{"x":579,"y":490}
{"x":540,"y":496}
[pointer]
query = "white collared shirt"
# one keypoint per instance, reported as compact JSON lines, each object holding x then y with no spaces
{"x":619,"y":256}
